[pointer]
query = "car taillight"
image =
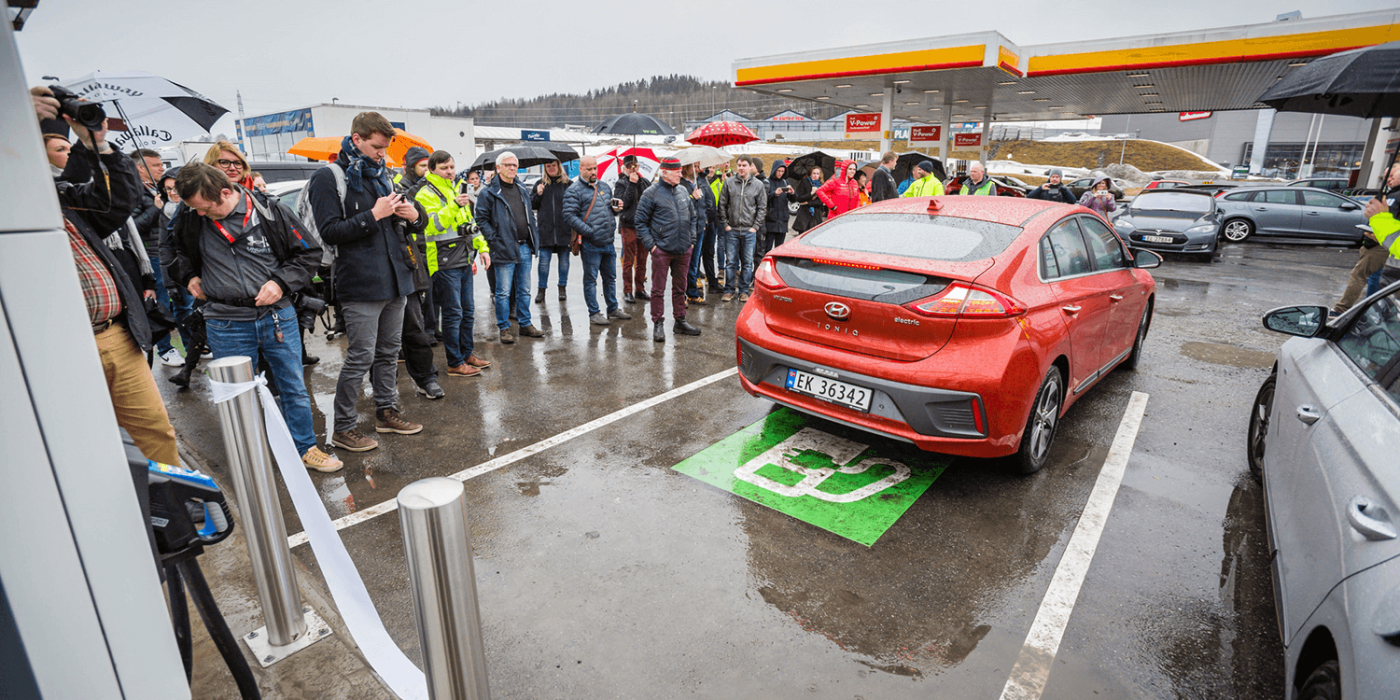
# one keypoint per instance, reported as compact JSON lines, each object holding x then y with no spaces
{"x":767,"y":275}
{"x":965,"y":300}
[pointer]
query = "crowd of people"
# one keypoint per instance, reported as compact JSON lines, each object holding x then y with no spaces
{"x":208,"y":254}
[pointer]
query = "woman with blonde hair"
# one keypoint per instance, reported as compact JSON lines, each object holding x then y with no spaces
{"x":554,"y":234}
{"x":225,"y":156}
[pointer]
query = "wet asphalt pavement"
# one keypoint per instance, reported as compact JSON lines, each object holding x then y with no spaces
{"x":603,"y":573}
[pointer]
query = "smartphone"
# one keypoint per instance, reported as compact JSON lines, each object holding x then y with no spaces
{"x":616,"y":203}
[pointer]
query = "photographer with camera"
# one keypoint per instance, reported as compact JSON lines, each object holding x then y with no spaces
{"x":246,"y":256}
{"x":452,"y":244}
{"x":94,"y":205}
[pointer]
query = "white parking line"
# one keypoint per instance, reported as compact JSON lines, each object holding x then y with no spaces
{"x":1032,"y":667}
{"x":392,"y":504}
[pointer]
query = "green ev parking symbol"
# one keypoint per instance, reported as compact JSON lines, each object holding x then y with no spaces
{"x":838,"y":484}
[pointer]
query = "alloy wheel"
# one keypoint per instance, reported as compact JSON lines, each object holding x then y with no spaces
{"x":1237,"y":230}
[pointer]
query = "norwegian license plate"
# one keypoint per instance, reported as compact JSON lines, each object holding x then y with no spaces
{"x":830,"y":390}
{"x":1157,"y":239}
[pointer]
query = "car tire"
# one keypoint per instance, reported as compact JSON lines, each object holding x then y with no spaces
{"x":1039,"y":435}
{"x":1237,"y":230}
{"x":1135,"y":356}
{"x":1259,"y":414}
{"x":1324,"y":683}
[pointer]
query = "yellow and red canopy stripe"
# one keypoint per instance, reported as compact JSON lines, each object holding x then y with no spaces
{"x":898,"y":62}
{"x":1263,"y":48}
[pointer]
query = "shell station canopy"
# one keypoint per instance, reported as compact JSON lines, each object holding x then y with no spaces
{"x":984,"y":77}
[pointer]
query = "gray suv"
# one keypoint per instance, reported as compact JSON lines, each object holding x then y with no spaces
{"x":1324,"y":437}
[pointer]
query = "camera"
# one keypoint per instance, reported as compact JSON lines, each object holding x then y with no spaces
{"x":88,"y":114}
{"x":308,"y":308}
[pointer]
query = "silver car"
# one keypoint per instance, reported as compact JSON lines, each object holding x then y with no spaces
{"x":1324,"y":435}
{"x":1295,"y":212}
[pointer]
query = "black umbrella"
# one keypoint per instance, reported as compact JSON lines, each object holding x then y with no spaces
{"x":530,"y":155}
{"x":633,"y":124}
{"x":1358,"y":83}
{"x":904,"y":167}
{"x":802,"y":165}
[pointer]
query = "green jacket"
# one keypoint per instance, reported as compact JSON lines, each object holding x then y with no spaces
{"x":1387,"y":230}
{"x":447,"y":246}
{"x":926,"y":186}
{"x":987,"y":188}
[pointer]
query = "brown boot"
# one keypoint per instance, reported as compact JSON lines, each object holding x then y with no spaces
{"x":391,"y":421}
{"x":354,"y":441}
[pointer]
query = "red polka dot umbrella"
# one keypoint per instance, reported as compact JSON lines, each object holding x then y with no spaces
{"x":720,"y":134}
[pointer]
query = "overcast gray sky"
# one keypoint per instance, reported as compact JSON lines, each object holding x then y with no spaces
{"x":421,"y":53}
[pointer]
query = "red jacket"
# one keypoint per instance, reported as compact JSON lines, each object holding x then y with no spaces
{"x":840,"y":194}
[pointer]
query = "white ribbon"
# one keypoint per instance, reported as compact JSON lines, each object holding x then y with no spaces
{"x":342,"y":578}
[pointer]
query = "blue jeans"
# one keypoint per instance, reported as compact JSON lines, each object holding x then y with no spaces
{"x":452,"y":290}
{"x":1373,"y":283}
{"x":740,"y":244}
{"x":162,"y":297}
{"x":259,"y":338}
{"x":692,"y":287}
{"x":513,"y":278}
{"x":596,"y":260}
{"x":545,"y":254}
{"x":721,"y":250}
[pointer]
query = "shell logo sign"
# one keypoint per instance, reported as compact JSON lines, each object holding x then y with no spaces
{"x":924,"y":134}
{"x":1192,"y":116}
{"x":967,"y":140}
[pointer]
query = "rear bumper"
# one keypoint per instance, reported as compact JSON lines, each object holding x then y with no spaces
{"x":933,"y":419}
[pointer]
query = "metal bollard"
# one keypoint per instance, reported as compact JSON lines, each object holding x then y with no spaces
{"x":433,"y":513}
{"x":250,"y":464}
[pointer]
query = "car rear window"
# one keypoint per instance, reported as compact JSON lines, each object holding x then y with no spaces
{"x":1172,"y":201}
{"x":915,"y":236}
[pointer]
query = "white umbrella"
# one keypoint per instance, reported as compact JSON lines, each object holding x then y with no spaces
{"x":157,"y":112}
{"x":610,"y":164}
{"x":704,"y":156}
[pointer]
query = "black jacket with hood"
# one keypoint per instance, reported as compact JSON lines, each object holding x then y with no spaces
{"x":776,"y":220}
{"x":549,"y":211}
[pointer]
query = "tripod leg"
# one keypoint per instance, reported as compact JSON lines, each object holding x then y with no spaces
{"x":218,"y":630}
{"x":180,"y":617}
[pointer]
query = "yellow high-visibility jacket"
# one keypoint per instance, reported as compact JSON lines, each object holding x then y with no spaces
{"x":447,"y":246}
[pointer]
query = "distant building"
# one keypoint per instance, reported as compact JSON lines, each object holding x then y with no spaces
{"x":1228,"y":138}
{"x":266,"y":137}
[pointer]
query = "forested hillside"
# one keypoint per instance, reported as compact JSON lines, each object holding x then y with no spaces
{"x":672,"y":99}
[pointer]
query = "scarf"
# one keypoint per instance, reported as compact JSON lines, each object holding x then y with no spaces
{"x":359,"y":168}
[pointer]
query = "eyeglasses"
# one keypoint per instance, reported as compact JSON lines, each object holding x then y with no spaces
{"x":225,"y":163}
{"x":508,"y":165}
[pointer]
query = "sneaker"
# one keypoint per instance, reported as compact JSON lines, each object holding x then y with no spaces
{"x":463,"y":370}
{"x":561,"y":293}
{"x":683,"y":327}
{"x":320,"y":461}
{"x":430,"y":389}
{"x":531,"y":331}
{"x":507,"y":337}
{"x":389,"y":420}
{"x":743,"y":298}
{"x":206,"y":354}
{"x":171,"y":358}
{"x":539,"y":297}
{"x":599,"y":319}
{"x":354,"y":440}
{"x":620,"y":315}
{"x":719,"y":281}
{"x":478,"y":363}
{"x":728,"y":297}
{"x":695,"y":300}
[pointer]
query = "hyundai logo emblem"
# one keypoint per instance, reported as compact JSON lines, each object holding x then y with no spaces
{"x":838,"y":311}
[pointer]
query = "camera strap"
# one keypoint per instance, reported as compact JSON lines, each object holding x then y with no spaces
{"x":246,"y":217}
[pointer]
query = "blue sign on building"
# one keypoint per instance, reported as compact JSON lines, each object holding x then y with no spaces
{"x":280,"y":123}
{"x":534,"y":135}
{"x":398,"y":125}
{"x":571,"y":168}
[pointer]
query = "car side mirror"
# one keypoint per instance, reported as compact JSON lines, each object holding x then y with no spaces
{"x":1146,"y":259}
{"x":1302,"y":321}
{"x":1350,"y":206}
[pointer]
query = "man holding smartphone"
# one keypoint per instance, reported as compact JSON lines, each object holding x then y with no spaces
{"x":371,"y":229}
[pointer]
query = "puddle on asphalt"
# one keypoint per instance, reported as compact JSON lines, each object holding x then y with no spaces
{"x":1222,"y":354}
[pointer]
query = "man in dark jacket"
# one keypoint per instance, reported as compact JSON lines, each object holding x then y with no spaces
{"x":417,"y":340}
{"x":150,"y":220}
{"x":704,"y":249}
{"x":628,"y":192}
{"x":548,"y":203}
{"x":743,"y":207}
{"x":91,"y":208}
{"x":883,"y":186}
{"x":504,"y":214}
{"x":668,"y":227}
{"x":246,"y":257}
{"x":373,"y":276}
{"x":586,"y":210}
{"x":1054,"y":190}
{"x":775,"y":225}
